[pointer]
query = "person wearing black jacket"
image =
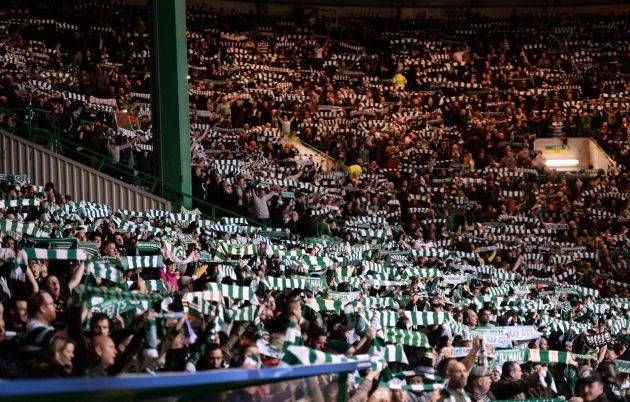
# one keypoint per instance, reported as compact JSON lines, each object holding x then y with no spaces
{"x":512,"y":385}
{"x":593,"y":390}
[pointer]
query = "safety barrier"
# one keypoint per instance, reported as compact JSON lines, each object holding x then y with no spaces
{"x":278,"y":383}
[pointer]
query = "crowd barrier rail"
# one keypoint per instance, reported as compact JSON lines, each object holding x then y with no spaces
{"x":201,"y":386}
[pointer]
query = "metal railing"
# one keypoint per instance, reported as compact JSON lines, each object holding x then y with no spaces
{"x":334,"y":162}
{"x":52,"y":139}
{"x":201,"y":386}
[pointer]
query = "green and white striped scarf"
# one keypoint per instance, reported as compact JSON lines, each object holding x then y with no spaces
{"x":318,"y":304}
{"x":582,"y":291}
{"x":231,"y":291}
{"x":200,"y":304}
{"x":293,"y":335}
{"x":406,"y":337}
{"x":382,"y":318}
{"x":21,"y":202}
{"x":304,"y":355}
{"x":423,"y":272}
{"x":249,"y":313}
{"x":373,"y":282}
{"x":149,"y":261}
{"x":90,"y":248}
{"x":155,"y":285}
{"x":238,"y":251}
{"x":549,"y":356}
{"x":276,"y":250}
{"x":55,"y":254}
{"x":500,"y":274}
{"x":423,"y":318}
{"x":499,"y":291}
{"x":317,"y":262}
{"x":104,"y":270}
{"x":19,"y":227}
{"x":284,"y":283}
{"x":391,"y":353}
{"x":412,"y":387}
{"x":618,"y":325}
{"x":373,"y":266}
{"x":378,"y":302}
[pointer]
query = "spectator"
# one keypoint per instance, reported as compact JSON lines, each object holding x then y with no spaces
{"x":512,"y":385}
{"x":103,"y":355}
{"x":58,"y":363}
{"x":479,"y":383}
{"x":39,"y":332}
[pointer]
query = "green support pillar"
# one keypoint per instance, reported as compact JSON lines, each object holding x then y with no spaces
{"x":170,"y":98}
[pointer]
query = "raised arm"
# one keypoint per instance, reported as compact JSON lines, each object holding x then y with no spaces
{"x":76,"y":276}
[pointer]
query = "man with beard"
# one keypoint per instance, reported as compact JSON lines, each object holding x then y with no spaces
{"x":457,"y":376}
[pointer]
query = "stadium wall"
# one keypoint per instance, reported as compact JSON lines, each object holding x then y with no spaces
{"x":18,"y":156}
{"x":434,"y":8}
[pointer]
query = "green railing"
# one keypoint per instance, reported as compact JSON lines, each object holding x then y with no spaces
{"x":52,"y":139}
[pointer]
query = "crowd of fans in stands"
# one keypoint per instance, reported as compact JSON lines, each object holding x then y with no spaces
{"x":440,"y":224}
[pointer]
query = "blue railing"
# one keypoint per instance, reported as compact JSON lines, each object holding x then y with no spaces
{"x":207,"y":385}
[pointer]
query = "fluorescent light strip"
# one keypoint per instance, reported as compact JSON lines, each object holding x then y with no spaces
{"x":561,"y":162}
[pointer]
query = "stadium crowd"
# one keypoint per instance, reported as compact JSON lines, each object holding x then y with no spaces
{"x":443,"y":249}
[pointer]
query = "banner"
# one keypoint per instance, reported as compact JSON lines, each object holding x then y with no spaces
{"x":345,"y":297}
{"x":497,"y":340}
{"x":455,"y":279}
{"x":521,"y":333}
{"x":112,"y":307}
{"x":598,"y":339}
{"x":515,"y":355}
{"x":623,"y":366}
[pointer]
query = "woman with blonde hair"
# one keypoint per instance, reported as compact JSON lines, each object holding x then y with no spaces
{"x":57,"y":360}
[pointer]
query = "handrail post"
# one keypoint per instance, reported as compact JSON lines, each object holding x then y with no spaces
{"x":101,"y":164}
{"x":155,"y":183}
{"x":30,"y":123}
{"x":343,"y":383}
